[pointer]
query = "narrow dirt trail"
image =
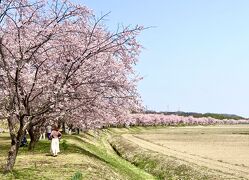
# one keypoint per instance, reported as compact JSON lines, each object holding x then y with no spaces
{"x":235,"y":172}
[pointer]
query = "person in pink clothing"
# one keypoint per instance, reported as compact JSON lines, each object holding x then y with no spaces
{"x":55,"y":143}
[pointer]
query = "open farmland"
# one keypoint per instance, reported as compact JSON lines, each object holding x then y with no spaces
{"x":223,"y":149}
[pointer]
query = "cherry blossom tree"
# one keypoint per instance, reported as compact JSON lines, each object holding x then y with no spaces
{"x":57,"y":58}
{"x":142,"y":119}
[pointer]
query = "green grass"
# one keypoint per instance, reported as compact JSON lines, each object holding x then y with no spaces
{"x":106,"y":154}
{"x":101,"y":155}
{"x":82,"y":157}
{"x":77,"y":176}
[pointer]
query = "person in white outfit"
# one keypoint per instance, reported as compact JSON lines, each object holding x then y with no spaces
{"x":55,"y":143}
{"x":43,"y":133}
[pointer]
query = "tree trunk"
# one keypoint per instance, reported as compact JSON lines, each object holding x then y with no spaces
{"x":63,"y":127}
{"x":12,"y":154}
{"x":34,"y":135}
{"x":35,"y":129}
{"x":32,"y":140}
{"x":32,"y":144}
{"x":15,"y":144}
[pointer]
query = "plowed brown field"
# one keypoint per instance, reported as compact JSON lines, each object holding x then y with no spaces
{"x":224,"y":149}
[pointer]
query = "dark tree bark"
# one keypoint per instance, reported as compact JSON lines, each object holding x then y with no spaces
{"x":63,"y":128}
{"x":15,"y":143}
{"x":12,"y":154}
{"x":35,"y":130}
{"x":34,"y":134}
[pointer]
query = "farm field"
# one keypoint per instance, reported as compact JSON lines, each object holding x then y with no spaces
{"x":191,"y":152}
{"x":220,"y":148}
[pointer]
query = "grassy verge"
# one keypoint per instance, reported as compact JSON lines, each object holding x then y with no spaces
{"x":90,"y":156}
{"x":81,"y":157}
{"x":103,"y":151}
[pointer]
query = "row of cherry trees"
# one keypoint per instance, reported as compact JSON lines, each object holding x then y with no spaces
{"x":57,"y":60}
{"x":165,"y":120}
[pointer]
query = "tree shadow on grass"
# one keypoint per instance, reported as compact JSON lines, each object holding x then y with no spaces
{"x":76,"y":149}
{"x":25,"y":173}
{"x":67,"y":148}
{"x":4,"y":138}
{"x":4,"y":148}
{"x":43,"y":147}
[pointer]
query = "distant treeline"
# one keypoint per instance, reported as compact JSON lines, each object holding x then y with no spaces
{"x":198,"y":115}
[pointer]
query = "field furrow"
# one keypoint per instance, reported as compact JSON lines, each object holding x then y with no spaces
{"x":171,"y":147}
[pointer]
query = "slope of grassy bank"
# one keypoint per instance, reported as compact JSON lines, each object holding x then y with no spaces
{"x":162,"y":166}
{"x":81,"y":157}
{"x":190,"y":152}
{"x":109,"y":154}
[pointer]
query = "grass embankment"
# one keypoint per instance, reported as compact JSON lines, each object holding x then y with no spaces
{"x":90,"y":156}
{"x":192,"y":152}
{"x":160,"y":165}
{"x":81,"y":157}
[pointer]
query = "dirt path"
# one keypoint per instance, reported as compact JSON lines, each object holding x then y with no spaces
{"x":235,"y":172}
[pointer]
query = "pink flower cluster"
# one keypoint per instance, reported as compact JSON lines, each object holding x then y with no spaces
{"x":166,"y":120}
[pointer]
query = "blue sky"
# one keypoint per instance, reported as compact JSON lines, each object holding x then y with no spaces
{"x":196,"y":58}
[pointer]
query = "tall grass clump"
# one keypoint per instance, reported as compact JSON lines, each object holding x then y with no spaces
{"x":77,"y":176}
